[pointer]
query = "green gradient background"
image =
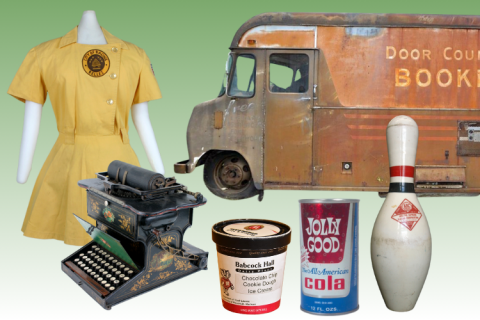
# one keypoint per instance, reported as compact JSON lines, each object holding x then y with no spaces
{"x":187,"y":43}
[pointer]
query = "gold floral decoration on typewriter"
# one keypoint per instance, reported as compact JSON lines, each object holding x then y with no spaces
{"x":103,"y":227}
{"x":167,"y":240}
{"x":125,"y":223}
{"x":95,"y":206}
{"x":164,"y":275}
{"x":141,"y":283}
{"x":182,"y":264}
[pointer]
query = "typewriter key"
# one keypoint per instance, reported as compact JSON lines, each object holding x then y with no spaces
{"x":110,"y":268}
{"x":97,"y":268}
{"x":114,"y":270}
{"x":81,"y":255}
{"x":93,"y":273}
{"x":94,"y":246}
{"x":116,"y":283}
{"x":118,"y":264}
{"x":104,"y":282}
{"x":108,"y":276}
{"x":130,"y":273}
{"x":84,"y":257}
{"x":89,"y":252}
{"x":104,"y":274}
{"x":99,"y":260}
{"x":126,"y":279}
{"x":118,"y":273}
{"x":100,"y":279}
{"x":81,"y":265}
{"x":114,"y":261}
{"x":89,"y":270}
{"x":111,"y":288}
{"x":126,"y":270}
{"x":94,"y":265}
{"x":121,"y":277}
{"x":113,"y":279}
{"x":107,"y":256}
{"x":77,"y":260}
{"x":96,"y":277}
{"x":110,"y":259}
{"x":86,"y":268}
{"x":122,"y":266}
{"x":107,"y":285}
{"x":87,"y":259}
{"x":90,"y":263}
{"x":106,"y":264}
{"x":96,"y":256}
{"x":101,"y":270}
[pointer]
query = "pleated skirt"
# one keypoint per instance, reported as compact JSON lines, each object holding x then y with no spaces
{"x":56,"y":195}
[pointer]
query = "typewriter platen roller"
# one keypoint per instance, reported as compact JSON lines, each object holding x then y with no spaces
{"x":141,"y":230}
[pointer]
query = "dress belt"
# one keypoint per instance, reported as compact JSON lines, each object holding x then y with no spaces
{"x":70,"y":136}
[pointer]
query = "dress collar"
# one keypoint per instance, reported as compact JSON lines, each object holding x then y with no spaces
{"x":71,"y":37}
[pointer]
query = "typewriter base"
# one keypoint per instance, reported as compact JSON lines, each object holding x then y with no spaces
{"x":149,"y":278}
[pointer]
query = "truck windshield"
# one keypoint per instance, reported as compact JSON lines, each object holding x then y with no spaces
{"x":243,"y":79}
{"x":228,"y":67}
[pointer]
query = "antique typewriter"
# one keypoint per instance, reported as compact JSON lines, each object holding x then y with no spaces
{"x":141,"y":218}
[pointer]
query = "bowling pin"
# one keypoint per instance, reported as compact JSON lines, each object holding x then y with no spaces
{"x":401,"y":244}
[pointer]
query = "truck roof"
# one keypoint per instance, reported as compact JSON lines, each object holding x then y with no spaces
{"x":357,"y":20}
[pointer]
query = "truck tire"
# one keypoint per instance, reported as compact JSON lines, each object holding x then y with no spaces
{"x":227,"y":175}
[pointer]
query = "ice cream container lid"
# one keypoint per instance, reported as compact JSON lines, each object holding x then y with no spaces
{"x":328,"y":200}
{"x":255,"y":234}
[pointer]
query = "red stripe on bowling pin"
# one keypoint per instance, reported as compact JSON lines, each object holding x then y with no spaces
{"x":402,"y":171}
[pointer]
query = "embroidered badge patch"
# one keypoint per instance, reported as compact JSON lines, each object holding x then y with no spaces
{"x":407,"y":215}
{"x":96,"y":63}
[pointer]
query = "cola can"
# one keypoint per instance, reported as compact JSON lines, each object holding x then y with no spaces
{"x":329,"y":256}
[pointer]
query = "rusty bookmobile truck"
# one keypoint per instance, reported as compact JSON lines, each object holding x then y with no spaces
{"x":307,"y":98}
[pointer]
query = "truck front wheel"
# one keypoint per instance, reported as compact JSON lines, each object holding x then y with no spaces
{"x":228,"y":175}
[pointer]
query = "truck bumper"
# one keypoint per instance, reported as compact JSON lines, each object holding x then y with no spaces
{"x":183,"y":167}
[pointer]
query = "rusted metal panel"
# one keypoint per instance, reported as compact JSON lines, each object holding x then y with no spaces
{"x":440,"y":177}
{"x":404,"y":68}
{"x":279,"y":36}
{"x":356,"y":20}
{"x":358,"y":136}
{"x":288,"y":130}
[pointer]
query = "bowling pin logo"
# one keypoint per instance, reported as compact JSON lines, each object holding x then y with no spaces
{"x":407,"y":214}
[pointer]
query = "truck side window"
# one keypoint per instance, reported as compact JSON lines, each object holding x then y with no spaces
{"x":288,"y":73}
{"x":243,"y":79}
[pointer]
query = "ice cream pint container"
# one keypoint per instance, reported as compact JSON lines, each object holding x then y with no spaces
{"x":251,"y":260}
{"x":329,"y":256}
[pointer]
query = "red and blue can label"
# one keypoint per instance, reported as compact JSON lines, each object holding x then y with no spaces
{"x":329,"y":256}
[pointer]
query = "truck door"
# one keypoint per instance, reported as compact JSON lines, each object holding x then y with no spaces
{"x":288,"y":117}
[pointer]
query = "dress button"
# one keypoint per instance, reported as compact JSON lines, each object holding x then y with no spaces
{"x":110,"y":101}
{"x":114,"y":49}
{"x":113,"y":76}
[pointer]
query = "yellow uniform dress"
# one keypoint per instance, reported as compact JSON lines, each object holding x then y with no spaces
{"x":91,"y":88}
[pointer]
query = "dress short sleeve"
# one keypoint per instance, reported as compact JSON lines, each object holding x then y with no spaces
{"x":28,"y":83}
{"x":147,"y":88}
